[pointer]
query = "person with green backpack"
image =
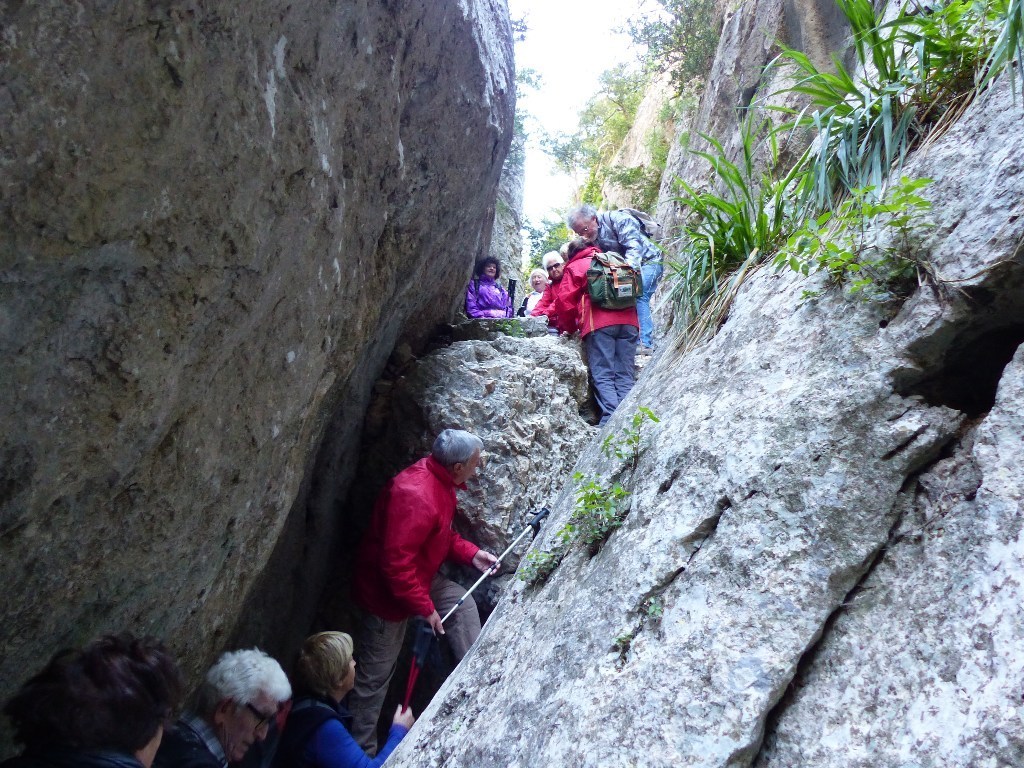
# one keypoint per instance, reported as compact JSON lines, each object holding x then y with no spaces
{"x":600,"y":302}
{"x":627,"y":233}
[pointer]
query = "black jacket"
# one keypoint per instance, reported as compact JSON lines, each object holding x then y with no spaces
{"x":184,"y":748}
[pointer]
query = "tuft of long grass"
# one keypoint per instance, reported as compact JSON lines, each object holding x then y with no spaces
{"x":918,"y":73}
{"x":747,"y":217}
{"x":1007,"y":54}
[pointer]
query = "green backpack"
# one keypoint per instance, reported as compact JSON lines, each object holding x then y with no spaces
{"x":612,"y":283}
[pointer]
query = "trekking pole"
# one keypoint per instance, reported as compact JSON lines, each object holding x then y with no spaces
{"x":533,"y":525}
{"x":420,"y":652}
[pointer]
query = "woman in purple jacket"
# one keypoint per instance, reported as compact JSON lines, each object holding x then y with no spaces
{"x":484,"y":296}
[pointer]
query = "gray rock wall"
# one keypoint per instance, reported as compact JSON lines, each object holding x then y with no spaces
{"x":738,"y":84}
{"x":507,"y":238}
{"x":216,"y":220}
{"x":779,"y":532}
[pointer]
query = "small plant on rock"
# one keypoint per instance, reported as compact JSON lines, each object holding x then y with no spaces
{"x":599,"y":510}
{"x":510,"y":327}
{"x":865,"y":240}
{"x":626,"y":444}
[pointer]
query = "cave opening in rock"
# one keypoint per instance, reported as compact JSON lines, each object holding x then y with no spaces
{"x":970,"y":373}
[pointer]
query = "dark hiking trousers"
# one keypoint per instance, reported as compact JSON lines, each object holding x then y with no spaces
{"x":610,"y":354}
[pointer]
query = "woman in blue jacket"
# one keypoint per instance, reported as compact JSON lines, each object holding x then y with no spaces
{"x":316,"y":734}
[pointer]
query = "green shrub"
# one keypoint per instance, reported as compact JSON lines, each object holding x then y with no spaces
{"x":919,"y":72}
{"x":866,"y":240}
{"x":627,"y":443}
{"x":599,"y":510}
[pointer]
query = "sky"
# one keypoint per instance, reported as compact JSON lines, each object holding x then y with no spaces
{"x":569,"y":78}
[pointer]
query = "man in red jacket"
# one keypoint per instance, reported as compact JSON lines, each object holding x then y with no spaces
{"x":396,"y":571}
{"x":609,"y":335}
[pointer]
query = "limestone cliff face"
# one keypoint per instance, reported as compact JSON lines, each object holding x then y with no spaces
{"x":506,"y":236}
{"x":738,"y":82}
{"x":216,"y":220}
{"x":823,"y":561}
{"x":649,"y":126}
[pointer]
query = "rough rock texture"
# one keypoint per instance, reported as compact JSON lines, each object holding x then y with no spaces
{"x":649,"y":124}
{"x":217,"y":219}
{"x":789,"y":447}
{"x":506,"y":235}
{"x":923,"y":664}
{"x":738,"y":80}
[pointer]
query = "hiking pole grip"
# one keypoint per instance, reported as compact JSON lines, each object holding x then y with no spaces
{"x":538,"y":519}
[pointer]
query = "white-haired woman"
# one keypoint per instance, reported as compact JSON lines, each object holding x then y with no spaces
{"x":317,"y":733}
{"x":539,"y":282}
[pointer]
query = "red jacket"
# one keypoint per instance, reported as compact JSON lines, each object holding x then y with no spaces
{"x":410,"y":535}
{"x":573,"y":306}
{"x":563,"y":323}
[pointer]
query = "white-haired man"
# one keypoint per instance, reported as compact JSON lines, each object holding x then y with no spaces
{"x":396,"y":571}
{"x":619,"y":232}
{"x":234,"y":708}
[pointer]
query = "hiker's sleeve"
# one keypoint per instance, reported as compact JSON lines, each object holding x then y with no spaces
{"x":567,"y":300}
{"x":462,"y":551}
{"x":543,"y":306}
{"x":630,"y":238}
{"x":472,"y":306}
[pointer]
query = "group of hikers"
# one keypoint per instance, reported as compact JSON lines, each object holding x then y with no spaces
{"x":107,"y":705}
{"x":561,"y":293}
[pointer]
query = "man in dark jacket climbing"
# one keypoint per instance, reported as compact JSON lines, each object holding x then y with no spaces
{"x":619,"y":232}
{"x":235,"y":707}
{"x":396,"y":571}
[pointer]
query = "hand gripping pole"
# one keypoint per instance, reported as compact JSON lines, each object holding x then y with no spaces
{"x":533,"y":525}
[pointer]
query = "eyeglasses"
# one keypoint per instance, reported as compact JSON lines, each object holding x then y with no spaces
{"x":553,"y":266}
{"x":261,"y":719}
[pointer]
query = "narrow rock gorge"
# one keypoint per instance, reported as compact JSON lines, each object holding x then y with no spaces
{"x":233,"y":238}
{"x":823,"y":561}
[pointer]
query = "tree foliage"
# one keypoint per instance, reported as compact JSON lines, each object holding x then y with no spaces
{"x":680,"y":37}
{"x":603,"y":126}
{"x":549,"y":235}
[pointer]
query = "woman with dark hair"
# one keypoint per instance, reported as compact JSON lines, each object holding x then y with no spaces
{"x":104,"y":706}
{"x":484,"y":296}
{"x":317,"y":732}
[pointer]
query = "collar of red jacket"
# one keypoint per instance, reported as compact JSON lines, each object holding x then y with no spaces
{"x":586,"y":253}
{"x":442,"y":473}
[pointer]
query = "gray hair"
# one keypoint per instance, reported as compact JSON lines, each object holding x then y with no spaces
{"x":540,"y":272}
{"x":455,"y":446}
{"x":585,"y":211}
{"x":551,"y":257}
{"x":242,"y":676}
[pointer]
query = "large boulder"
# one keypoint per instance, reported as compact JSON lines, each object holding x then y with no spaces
{"x":808,"y":452}
{"x":216,"y":220}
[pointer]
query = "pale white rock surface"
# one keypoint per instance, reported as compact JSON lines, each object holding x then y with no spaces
{"x":772,"y":492}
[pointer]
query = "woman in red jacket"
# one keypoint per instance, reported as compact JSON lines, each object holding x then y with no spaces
{"x":610,"y":335}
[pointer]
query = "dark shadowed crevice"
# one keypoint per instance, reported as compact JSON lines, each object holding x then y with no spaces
{"x":969,"y":374}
